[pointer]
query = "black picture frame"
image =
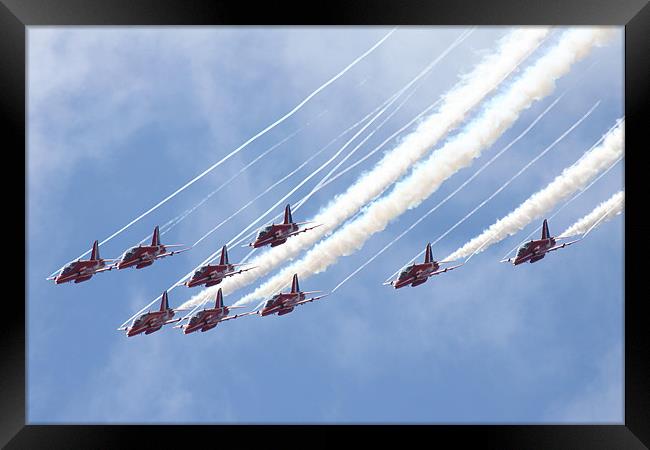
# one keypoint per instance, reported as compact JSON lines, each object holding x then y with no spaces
{"x":16,"y":15}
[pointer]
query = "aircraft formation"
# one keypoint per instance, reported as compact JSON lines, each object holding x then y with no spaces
{"x":282,"y":302}
{"x":529,"y":87}
{"x":141,"y":256}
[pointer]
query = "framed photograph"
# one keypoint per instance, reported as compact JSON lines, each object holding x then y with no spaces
{"x":369,"y":213}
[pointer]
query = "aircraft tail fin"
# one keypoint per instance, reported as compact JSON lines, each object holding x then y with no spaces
{"x":219,"y":302}
{"x":295,"y":287}
{"x":428,"y":255}
{"x":155,"y":240}
{"x":545,"y":232}
{"x":224,"y":256}
{"x":164,"y":304}
{"x":94,"y":255}
{"x":287,"y":215}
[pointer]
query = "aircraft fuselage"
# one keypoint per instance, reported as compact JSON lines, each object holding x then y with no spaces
{"x":533,"y":251}
{"x":416,"y":274}
{"x":281,"y":304}
{"x":150,"y":322}
{"x":141,"y":256}
{"x":210,"y":275}
{"x":79,"y":271}
{"x":206,"y":320}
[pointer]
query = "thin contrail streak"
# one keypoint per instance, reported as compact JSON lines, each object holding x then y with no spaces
{"x":457,"y":103}
{"x":325,"y":181}
{"x":565,"y":204}
{"x":535,"y":83}
{"x":386,"y":105}
{"x":383,"y":107}
{"x":214,"y":255}
{"x":487,"y":164}
{"x":422,"y":73}
{"x":569,"y":181}
{"x":242,"y":170}
{"x":503,"y":186}
{"x":302,"y":200}
{"x":601,"y":213}
{"x":178,"y":219}
{"x":421,"y":76}
{"x":252,"y":139}
{"x":258,"y":196}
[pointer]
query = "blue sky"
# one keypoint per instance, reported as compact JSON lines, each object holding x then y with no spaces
{"x":121,"y":117}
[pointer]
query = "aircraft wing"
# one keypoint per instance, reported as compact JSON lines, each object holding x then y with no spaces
{"x":566,"y":244}
{"x":410,"y":275}
{"x":392,"y":282}
{"x":173,"y":253}
{"x":172,"y":321}
{"x":446,"y":269}
{"x":304,"y":229}
{"x":104,"y":269}
{"x":239,"y":271}
{"x":309,"y":300}
{"x":506,"y":260}
{"x":237,"y":315}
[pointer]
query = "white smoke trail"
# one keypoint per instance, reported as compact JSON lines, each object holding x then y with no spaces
{"x":386,"y":102}
{"x":602,"y":213}
{"x":302,"y":200}
{"x":369,"y":154}
{"x":382,"y":108}
{"x":252,"y":139}
{"x":569,"y":181}
{"x":326,"y":180}
{"x":465,"y":183}
{"x":378,"y":114}
{"x":306,"y":179}
{"x":564,"y":205}
{"x":393,"y":99}
{"x":535,"y":83}
{"x":513,"y":49}
{"x":420,"y":77}
{"x":501,"y":188}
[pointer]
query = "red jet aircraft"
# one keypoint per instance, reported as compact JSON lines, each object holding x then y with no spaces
{"x":284,"y":303}
{"x":211,"y":275}
{"x":150,"y":322}
{"x":277,"y":234}
{"x":416,"y":274}
{"x":83,"y":269}
{"x":209,"y":318}
{"x":535,"y":250}
{"x":144,"y":255}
